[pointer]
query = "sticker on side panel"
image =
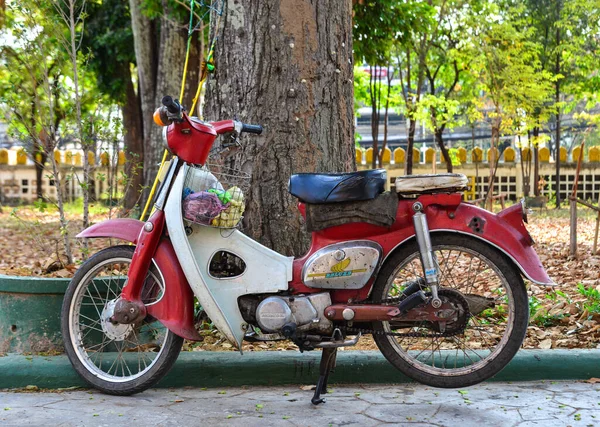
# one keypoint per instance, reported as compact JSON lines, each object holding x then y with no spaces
{"x":431,"y":273}
{"x":338,"y":270}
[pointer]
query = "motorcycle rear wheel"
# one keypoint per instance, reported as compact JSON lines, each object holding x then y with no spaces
{"x":493,"y":333}
{"x":115,"y":359}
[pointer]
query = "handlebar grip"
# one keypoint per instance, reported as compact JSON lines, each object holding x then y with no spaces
{"x":257,"y":129}
{"x":172,"y":106}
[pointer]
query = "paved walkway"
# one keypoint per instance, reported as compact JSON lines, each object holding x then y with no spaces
{"x":491,"y":404}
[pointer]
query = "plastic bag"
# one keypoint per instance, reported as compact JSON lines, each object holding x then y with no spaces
{"x":202,"y":207}
{"x":231,"y":216}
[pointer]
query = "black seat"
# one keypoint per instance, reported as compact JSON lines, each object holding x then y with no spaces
{"x":318,"y":188}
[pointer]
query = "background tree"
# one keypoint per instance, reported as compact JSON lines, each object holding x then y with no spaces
{"x":108,"y":37}
{"x":447,"y":57}
{"x":160,"y":30}
{"x":287,"y":65}
{"x":22,"y":83}
{"x":36,"y":30}
{"x":567,"y":32}
{"x":377,"y":26}
{"x":410,"y":53}
{"x":510,"y":73}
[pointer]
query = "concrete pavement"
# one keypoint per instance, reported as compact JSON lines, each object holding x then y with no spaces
{"x":544,"y":403}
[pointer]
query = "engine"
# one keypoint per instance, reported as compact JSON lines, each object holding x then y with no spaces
{"x":307,"y":312}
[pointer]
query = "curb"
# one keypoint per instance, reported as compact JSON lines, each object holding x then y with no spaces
{"x":221,"y":369}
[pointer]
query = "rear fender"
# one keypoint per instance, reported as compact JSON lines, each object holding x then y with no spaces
{"x":504,"y":231}
{"x":175,"y":309}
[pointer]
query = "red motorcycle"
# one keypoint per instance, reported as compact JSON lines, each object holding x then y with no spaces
{"x":437,"y":282}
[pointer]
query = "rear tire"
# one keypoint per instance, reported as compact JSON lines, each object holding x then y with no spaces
{"x":483,"y":274}
{"x":95,"y":284}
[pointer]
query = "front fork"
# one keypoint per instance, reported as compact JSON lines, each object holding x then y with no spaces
{"x":428,"y":259}
{"x":129,"y":307}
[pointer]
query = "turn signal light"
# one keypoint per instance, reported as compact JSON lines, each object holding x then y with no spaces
{"x":160,"y":117}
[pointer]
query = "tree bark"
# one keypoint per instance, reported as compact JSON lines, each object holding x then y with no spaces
{"x":557,"y":96}
{"x":412,"y":124}
{"x":133,"y":141}
{"x":439,"y":139}
{"x":287,"y":65}
{"x":374,"y":91}
{"x":160,"y":48}
{"x":146,"y":56}
{"x":536,"y":163}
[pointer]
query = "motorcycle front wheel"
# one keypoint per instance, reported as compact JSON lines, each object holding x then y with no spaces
{"x":483,"y":285}
{"x":116,"y":359}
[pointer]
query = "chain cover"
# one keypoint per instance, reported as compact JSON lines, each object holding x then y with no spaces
{"x":447,"y":294}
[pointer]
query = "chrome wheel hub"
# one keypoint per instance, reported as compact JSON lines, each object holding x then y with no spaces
{"x":114,"y":331}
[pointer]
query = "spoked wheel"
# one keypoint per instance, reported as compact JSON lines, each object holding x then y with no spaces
{"x":490,"y":308}
{"x":115,"y":358}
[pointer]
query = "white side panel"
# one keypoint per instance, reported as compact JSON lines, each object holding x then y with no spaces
{"x":266,"y":270}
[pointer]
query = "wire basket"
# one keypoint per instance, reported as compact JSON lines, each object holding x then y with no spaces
{"x":213,"y":195}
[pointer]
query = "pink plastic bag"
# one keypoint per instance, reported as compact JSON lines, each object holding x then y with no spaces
{"x":202,"y":207}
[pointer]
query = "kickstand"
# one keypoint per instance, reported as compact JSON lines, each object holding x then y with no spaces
{"x":327,"y":365}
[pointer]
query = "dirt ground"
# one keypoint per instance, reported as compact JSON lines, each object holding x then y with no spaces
{"x":564,"y":316}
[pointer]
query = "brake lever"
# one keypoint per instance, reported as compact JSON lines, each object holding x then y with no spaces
{"x":234,"y":142}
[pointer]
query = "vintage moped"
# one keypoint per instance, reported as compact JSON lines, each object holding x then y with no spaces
{"x":436,"y":281}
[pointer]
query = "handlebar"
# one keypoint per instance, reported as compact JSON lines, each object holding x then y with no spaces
{"x":172,"y":106}
{"x":257,"y":129}
{"x":172,"y":111}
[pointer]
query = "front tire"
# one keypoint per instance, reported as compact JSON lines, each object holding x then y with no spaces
{"x":116,"y":359}
{"x":497,"y":300}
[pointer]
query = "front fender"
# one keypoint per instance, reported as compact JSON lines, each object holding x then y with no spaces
{"x":127,"y":229}
{"x":175,"y":309}
{"x":505,"y":231}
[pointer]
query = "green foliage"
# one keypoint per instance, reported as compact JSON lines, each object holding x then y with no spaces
{"x":540,"y":316}
{"x":361,"y":89}
{"x":110,"y":44}
{"x":508,"y":66}
{"x":40,"y":205}
{"x":592,"y":305}
{"x":436,"y":111}
{"x":379,"y":25}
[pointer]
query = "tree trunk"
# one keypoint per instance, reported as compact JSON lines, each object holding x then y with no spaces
{"x":489,"y":196}
{"x":536,"y":163}
{"x":557,"y":150}
{"x":146,"y":55}
{"x":133,"y":140}
{"x":287,"y":65}
{"x":557,"y":99}
{"x":168,"y":82}
{"x":409,"y":147}
{"x":390,"y":75}
{"x":374,"y":115}
{"x":160,"y":55}
{"x":39,"y":173}
{"x":439,"y":139}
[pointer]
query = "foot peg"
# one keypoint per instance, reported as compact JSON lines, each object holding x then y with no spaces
{"x":412,"y":287}
{"x":412,"y":301}
{"x":328,"y":358}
